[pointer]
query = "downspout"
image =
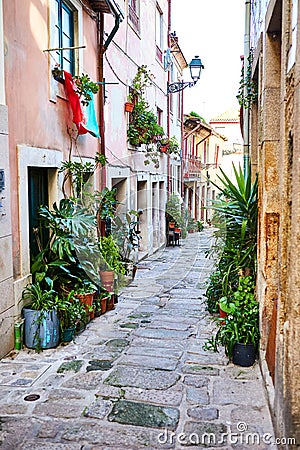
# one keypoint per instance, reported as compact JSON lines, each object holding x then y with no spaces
{"x":102,"y":47}
{"x":246,"y":111}
{"x":101,"y":50}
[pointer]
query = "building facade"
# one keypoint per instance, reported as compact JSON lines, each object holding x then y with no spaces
{"x":202,"y":157}
{"x":274,"y":144}
{"x":41,"y":129}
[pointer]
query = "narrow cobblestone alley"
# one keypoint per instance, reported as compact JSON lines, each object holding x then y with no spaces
{"x":138,"y":377}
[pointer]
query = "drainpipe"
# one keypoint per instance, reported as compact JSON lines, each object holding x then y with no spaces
{"x":246,"y":111}
{"x":102,"y":47}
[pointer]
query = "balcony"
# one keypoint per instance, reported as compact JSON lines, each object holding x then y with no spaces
{"x":192,"y":167}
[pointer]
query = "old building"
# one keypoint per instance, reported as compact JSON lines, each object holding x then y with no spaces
{"x":202,"y":156}
{"x":274,"y":143}
{"x":43,"y":46}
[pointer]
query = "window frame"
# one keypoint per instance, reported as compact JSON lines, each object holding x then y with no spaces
{"x":56,"y":89}
{"x":159,"y":33}
{"x":133,"y":17}
{"x":63,"y":5}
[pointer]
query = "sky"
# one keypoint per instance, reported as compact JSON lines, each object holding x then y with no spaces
{"x":214,"y":30}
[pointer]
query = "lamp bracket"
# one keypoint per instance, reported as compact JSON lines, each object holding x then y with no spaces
{"x":179,"y":86}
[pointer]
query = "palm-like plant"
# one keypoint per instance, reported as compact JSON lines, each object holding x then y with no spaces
{"x":236,"y":221}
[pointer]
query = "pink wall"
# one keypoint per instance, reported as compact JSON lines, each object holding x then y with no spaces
{"x":33,"y":119}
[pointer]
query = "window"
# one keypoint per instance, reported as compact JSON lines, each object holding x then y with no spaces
{"x":217,"y":151}
{"x":64,"y":35}
{"x":134,"y":14}
{"x":159,"y":116}
{"x":159,"y":33}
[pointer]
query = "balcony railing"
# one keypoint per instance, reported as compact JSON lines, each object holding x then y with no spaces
{"x":192,"y":167}
{"x":134,"y":19}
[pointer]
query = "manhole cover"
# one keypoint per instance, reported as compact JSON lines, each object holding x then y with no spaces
{"x":31,"y":397}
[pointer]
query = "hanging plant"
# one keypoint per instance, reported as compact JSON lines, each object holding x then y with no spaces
{"x":247,"y":93}
{"x":84,"y":88}
{"x":78,"y":173}
{"x":143,"y":127}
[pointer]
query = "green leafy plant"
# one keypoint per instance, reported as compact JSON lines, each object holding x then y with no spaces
{"x":247,"y":93}
{"x":173,"y":211}
{"x":242,"y":322}
{"x":70,"y":311}
{"x":111,"y":259}
{"x":57,"y":262}
{"x":143,"y":127}
{"x":78,"y":173}
{"x":85,"y":87}
{"x":38,"y":298}
{"x":126,"y":234}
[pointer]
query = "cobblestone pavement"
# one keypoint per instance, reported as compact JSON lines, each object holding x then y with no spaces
{"x":138,"y":377}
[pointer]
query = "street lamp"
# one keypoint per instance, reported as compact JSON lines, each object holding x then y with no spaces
{"x":195,"y":70}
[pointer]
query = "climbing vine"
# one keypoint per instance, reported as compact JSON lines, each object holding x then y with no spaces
{"x":247,"y":93}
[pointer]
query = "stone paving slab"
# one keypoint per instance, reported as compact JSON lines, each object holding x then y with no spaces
{"x":15,"y":374}
{"x":164,"y":352}
{"x":141,"y":377}
{"x":154,"y":362}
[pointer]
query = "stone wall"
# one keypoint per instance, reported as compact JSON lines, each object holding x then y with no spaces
{"x":7,"y":304}
{"x":275,"y":143}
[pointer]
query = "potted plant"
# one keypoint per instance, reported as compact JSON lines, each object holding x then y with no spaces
{"x":85,"y":291}
{"x":129,"y":105}
{"x":127,"y":236}
{"x":70,"y":311}
{"x":41,"y":327}
{"x":110,"y":262}
{"x":239,"y":333}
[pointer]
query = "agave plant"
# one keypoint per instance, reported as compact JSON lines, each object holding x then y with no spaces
{"x":235,"y":219}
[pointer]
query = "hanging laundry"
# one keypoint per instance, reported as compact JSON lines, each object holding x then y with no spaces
{"x":84,"y":117}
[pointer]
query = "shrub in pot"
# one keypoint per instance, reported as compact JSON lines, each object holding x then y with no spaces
{"x":41,"y":327}
{"x":70,"y":311}
{"x":241,"y":326}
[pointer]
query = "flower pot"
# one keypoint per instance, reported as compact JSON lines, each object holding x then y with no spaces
{"x":110,"y":303}
{"x":107,"y":280}
{"x":129,"y":107}
{"x":163,"y":149}
{"x":103,"y":303}
{"x":222,"y":315}
{"x":177,"y":230}
{"x":41,"y":329}
{"x":68,"y":334}
{"x":243,"y":354}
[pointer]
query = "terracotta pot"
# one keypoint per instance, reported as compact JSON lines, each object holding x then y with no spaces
{"x":103,"y":303}
{"x":129,"y":107}
{"x":110,"y":303}
{"x":177,"y":230}
{"x":87,"y":298}
{"x":223,"y":315}
{"x":107,"y":280}
{"x":171,"y":225}
{"x":163,"y":149}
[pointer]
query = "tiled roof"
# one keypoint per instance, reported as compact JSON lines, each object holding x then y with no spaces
{"x":232,"y":115}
